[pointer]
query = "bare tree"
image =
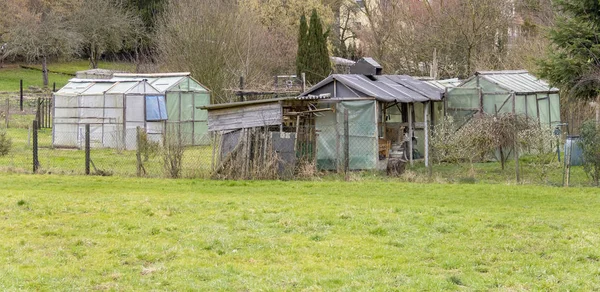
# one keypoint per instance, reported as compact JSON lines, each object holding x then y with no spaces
{"x":219,"y":41}
{"x":39,"y":36}
{"x":105,"y":26}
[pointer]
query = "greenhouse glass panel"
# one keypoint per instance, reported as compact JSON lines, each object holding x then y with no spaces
{"x":187,"y":106}
{"x":199,"y":100}
{"x":173,"y":106}
{"x":544,"y":112}
{"x":201,"y":136}
{"x":532,"y":106}
{"x":195,"y":86}
{"x":186,"y":132}
{"x":156,"y":109}
{"x":555,"y":108}
{"x":520,"y":107}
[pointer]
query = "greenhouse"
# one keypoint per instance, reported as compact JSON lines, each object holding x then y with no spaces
{"x":183,"y":95}
{"x":497,"y":92}
{"x":113,"y":109}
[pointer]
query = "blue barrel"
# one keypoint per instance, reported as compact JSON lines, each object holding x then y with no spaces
{"x":572,"y":146}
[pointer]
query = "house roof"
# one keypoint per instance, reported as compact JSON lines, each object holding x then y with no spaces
{"x":385,"y":88}
{"x":519,"y":81}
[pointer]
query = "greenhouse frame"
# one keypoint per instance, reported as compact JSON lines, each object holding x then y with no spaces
{"x":498,"y":92}
{"x":183,"y":95}
{"x":113,"y":109}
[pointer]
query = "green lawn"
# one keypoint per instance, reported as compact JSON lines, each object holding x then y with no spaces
{"x":11,"y":74}
{"x":86,"y":233}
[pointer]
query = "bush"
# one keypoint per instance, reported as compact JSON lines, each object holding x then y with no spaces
{"x":478,"y":139}
{"x":590,"y":147}
{"x":5,"y":143}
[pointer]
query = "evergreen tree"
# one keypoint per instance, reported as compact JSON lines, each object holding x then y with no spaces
{"x":573,"y":64}
{"x":318,"y":65}
{"x":302,"y":55}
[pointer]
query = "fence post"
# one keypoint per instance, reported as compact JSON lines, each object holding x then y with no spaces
{"x":7,"y":113}
{"x":346,"y":146}
{"x":21,"y":95}
{"x":138,"y":152}
{"x":516,"y":142}
{"x":87,"y":149}
{"x":36,"y":162}
{"x":37,"y":113}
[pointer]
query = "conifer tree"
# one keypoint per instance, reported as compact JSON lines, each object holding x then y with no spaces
{"x":573,"y":64}
{"x":318,"y":65}
{"x":302,"y":55}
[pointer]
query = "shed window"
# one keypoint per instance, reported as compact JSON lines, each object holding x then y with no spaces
{"x":156,"y":109}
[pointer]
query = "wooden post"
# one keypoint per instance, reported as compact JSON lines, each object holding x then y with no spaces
{"x":241,"y":88}
{"x":138,"y":151}
{"x":410,"y":133}
{"x":346,"y":146}
{"x":21,"y":95}
{"x":36,"y":162}
{"x":87,"y":149}
{"x":7,"y":113}
{"x":303,"y":82}
{"x":426,"y":129}
{"x":516,"y":142}
{"x":480,"y":92}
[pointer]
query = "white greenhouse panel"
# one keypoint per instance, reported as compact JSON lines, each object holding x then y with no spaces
{"x":113,"y":100}
{"x":154,"y":127}
{"x":113,"y":136}
{"x":113,"y":115}
{"x":135,"y":108}
{"x":65,"y":101}
{"x":90,"y":113}
{"x":91,"y":101}
{"x":65,"y":135}
{"x":66,"y":113}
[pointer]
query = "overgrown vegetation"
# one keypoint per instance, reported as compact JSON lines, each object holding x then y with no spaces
{"x":590,"y":146}
{"x":5,"y":143}
{"x":489,"y":136}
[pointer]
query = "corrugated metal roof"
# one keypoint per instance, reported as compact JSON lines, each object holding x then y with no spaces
{"x":519,"y":81}
{"x":386,"y":88}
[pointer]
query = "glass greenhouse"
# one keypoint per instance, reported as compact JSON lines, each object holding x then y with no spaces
{"x":495,"y":92}
{"x":183,"y":95}
{"x":159,"y":103}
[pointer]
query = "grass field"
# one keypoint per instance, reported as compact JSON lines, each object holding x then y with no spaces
{"x":12,"y":73}
{"x":97,"y":233}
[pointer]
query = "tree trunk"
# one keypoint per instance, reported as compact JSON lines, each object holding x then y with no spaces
{"x":598,"y":110}
{"x":45,"y":71}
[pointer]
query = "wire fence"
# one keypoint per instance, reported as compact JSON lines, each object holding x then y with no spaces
{"x":277,"y":152}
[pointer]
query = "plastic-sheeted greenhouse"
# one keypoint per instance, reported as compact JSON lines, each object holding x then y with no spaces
{"x":496,"y":92}
{"x":113,"y":109}
{"x":183,"y":95}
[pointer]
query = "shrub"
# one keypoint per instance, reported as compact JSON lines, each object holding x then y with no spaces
{"x":172,"y":153}
{"x":590,"y":147}
{"x":5,"y":143}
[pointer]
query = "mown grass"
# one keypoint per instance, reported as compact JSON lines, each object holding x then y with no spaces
{"x":97,"y":233}
{"x":11,"y":74}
